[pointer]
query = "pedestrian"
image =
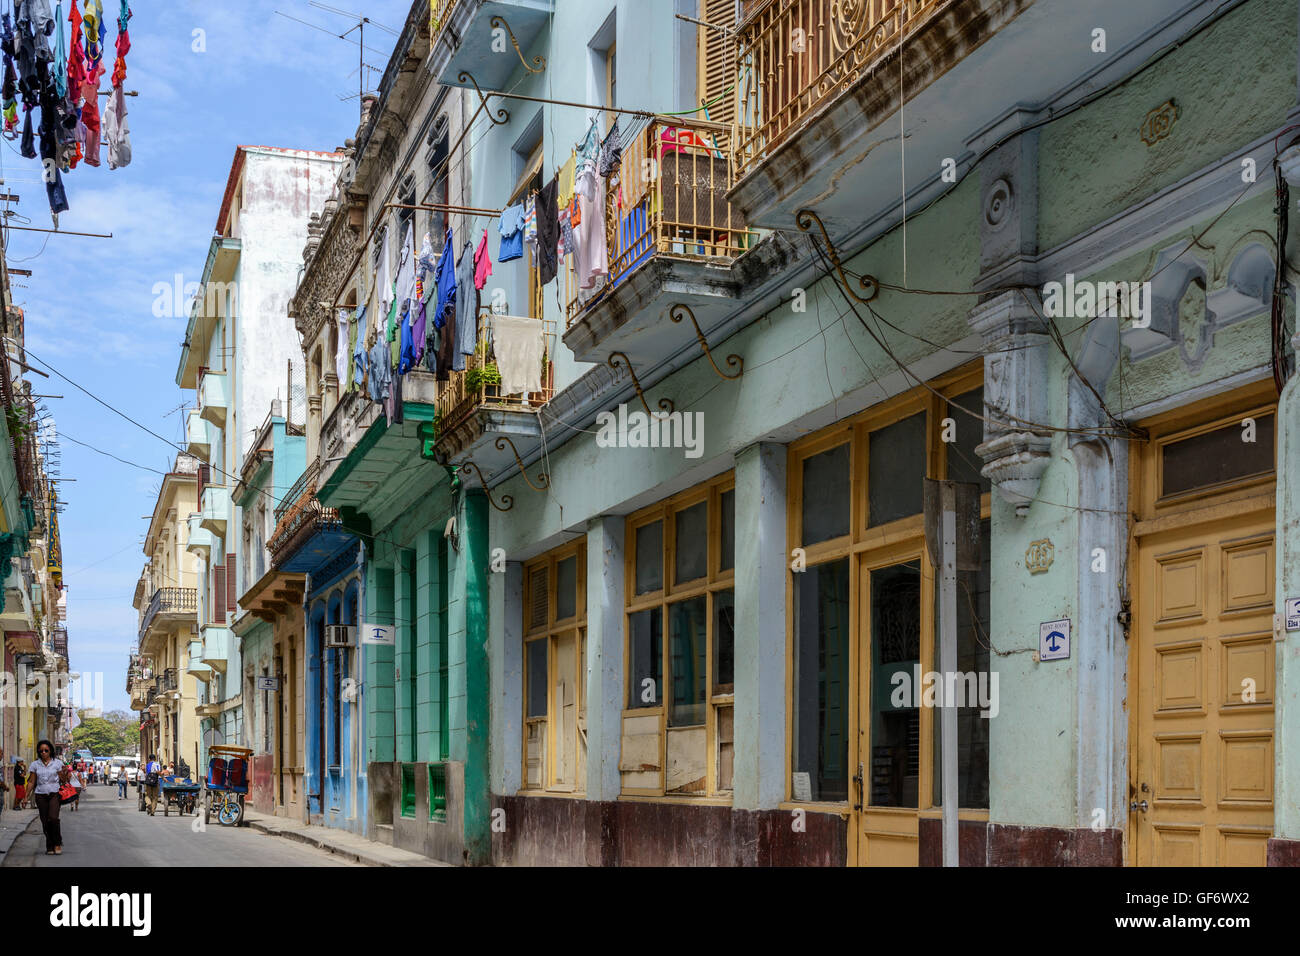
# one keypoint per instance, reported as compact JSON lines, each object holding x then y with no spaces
{"x":47,"y":772}
{"x":151,"y":771}
{"x":78,"y":780}
{"x":121,"y":782}
{"x":20,"y":785}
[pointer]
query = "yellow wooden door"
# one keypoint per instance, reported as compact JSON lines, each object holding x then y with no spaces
{"x":1202,"y":777}
{"x":894,"y":646}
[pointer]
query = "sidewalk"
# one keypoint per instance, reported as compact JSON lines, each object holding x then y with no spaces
{"x":12,"y":825}
{"x":345,"y":844}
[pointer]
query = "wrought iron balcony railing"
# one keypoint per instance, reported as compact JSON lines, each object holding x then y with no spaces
{"x":479,"y":386}
{"x":794,"y":56}
{"x":169,"y":600}
{"x":303,"y":519}
{"x":667,"y":197}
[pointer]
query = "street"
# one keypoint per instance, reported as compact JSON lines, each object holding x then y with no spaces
{"x":111,"y":832}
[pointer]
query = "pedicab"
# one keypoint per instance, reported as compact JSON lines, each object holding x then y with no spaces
{"x":226,"y":784}
{"x":179,"y":792}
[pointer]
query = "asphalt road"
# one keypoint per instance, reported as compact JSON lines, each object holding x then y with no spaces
{"x":106,"y":831}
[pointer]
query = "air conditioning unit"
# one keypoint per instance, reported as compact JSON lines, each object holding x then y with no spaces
{"x":340,"y":635}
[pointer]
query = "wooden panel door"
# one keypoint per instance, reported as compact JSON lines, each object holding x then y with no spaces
{"x":1203,"y":773}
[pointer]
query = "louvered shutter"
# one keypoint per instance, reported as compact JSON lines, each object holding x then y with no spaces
{"x":217,"y":606}
{"x":231,"y":583}
{"x":538,"y":599}
{"x":717,"y":67}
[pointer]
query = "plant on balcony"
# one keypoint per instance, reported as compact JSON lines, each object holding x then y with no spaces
{"x":19,"y":427}
{"x":477,"y":378}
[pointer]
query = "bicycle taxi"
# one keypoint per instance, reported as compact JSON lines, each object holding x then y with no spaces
{"x":226,"y":784}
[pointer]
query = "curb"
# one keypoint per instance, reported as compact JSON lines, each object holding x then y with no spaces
{"x":10,"y":832}
{"x":305,"y":838}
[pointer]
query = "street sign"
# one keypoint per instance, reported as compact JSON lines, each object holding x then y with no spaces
{"x":1054,"y":640}
{"x":384,"y":634}
{"x":1293,"y":614}
{"x":268,"y":683}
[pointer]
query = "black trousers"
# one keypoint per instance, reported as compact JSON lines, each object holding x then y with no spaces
{"x":47,"y":804}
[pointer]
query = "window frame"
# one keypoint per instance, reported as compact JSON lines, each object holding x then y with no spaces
{"x":551,"y":632}
{"x":714,"y":581}
{"x":870,"y":549}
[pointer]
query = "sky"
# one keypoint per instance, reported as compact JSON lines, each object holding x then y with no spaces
{"x":210,"y":77}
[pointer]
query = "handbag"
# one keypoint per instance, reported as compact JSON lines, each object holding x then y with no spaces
{"x":67,"y":793}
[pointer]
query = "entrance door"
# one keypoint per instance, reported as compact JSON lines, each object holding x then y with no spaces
{"x":1204,"y":762}
{"x":891,"y":773}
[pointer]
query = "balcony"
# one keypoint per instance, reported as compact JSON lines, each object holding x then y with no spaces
{"x":368,"y":454}
{"x":201,"y":540}
{"x":465,"y":35}
{"x":214,"y":398}
{"x":674,"y":240}
{"x":820,"y":84}
{"x":474,"y":416}
{"x":167,"y":605}
{"x":305,"y":536}
{"x":198,"y":436}
{"x":216,"y":647}
{"x":196,"y":668}
{"x":214,"y":509}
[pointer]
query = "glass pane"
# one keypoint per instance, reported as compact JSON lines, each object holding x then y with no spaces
{"x":724,"y":642}
{"x":650,"y":557}
{"x":895,"y":719}
{"x":688,"y":657}
{"x":826,"y":495}
{"x":566,"y":588}
{"x":727,"y":500}
{"x":963,"y":463}
{"x":691,"y":560}
{"x":646,"y":650}
{"x":896,"y":470}
{"x":821,"y":682}
{"x":1217,"y":456}
{"x":536,"y":651}
{"x":973,"y":666}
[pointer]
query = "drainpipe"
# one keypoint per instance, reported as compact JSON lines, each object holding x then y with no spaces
{"x":360,"y":786}
{"x":306,"y":651}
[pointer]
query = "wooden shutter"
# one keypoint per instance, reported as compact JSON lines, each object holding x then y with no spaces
{"x":231,"y":584}
{"x":217,"y":606}
{"x":717,"y":61}
{"x":538,"y":599}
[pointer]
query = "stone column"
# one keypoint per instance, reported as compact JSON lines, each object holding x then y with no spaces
{"x":605,"y":694}
{"x":505,"y":653}
{"x":761,"y":562}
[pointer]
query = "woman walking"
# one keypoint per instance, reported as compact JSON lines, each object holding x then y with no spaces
{"x":48,"y":772}
{"x":20,"y":785}
{"x":121,"y":782}
{"x":79,"y":783}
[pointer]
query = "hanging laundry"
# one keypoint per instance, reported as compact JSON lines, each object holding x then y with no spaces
{"x":568,"y":179}
{"x":9,"y":91}
{"x":406,"y":352}
{"x":511,"y":228}
{"x":517,"y":343}
{"x":380,"y":372}
{"x":611,"y":152}
{"x":393,"y":401}
{"x":444,"y":355}
{"x":568,"y":238}
{"x":93,"y":22}
{"x":419,"y":329}
{"x":60,"y":49}
{"x":589,"y":149}
{"x":341,"y":352}
{"x":406,"y":270}
{"x":357,"y":349}
{"x":482,"y":263}
{"x":548,"y":231}
{"x":446,"y":281}
{"x":466,"y":309}
{"x":116,"y":131}
{"x":592,"y":255}
{"x":123,"y":45}
{"x":425,"y":264}
{"x":530,"y":224}
{"x":383,"y":274}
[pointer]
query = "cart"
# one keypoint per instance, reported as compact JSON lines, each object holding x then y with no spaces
{"x":226,"y":784}
{"x":179,"y":792}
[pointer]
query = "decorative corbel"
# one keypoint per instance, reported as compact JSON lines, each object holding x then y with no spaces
{"x":539,"y":61}
{"x":503,"y":115}
{"x":468,"y":467}
{"x":620,"y":358}
{"x":544,"y":480}
{"x":805,"y":219}
{"x":733,"y":361}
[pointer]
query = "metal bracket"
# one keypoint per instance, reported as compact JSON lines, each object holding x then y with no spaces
{"x":539,"y":61}
{"x":665,"y":404}
{"x":468,"y":467}
{"x":503,"y":115}
{"x":543,"y":479}
{"x":733,"y":361}
{"x":804,"y":219}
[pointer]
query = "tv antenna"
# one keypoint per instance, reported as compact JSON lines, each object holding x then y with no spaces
{"x":360,"y":22}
